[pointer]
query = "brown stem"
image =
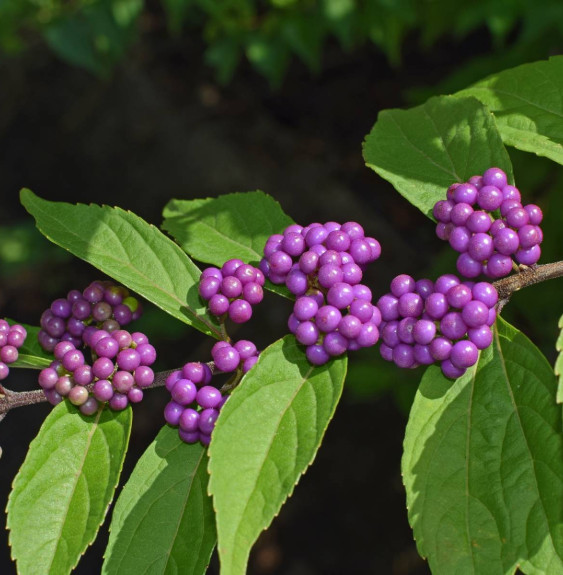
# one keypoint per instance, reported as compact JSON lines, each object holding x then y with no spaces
{"x":527,"y":276}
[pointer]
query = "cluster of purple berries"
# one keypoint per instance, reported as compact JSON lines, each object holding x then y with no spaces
{"x":446,"y":321}
{"x":232,"y":290}
{"x":12,"y":338}
{"x":498,"y":228}
{"x":323,"y":264}
{"x":195,"y":404}
{"x":118,"y":373}
{"x":102,"y":304}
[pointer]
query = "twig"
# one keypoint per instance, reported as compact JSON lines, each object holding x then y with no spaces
{"x":527,"y":276}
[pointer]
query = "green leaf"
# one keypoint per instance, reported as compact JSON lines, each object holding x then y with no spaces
{"x":305,"y":34}
{"x":266,"y":436}
{"x":31,"y":354}
{"x":269,"y":55}
{"x":213,"y":230}
{"x":96,"y":36}
{"x":483,"y":464}
{"x":526,"y":102}
{"x":61,"y":494}
{"x":422,"y":151}
{"x":163,"y":521}
{"x":129,"y":250}
{"x":559,"y":362}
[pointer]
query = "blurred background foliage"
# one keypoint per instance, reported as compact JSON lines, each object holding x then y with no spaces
{"x":96,"y":34}
{"x":135,"y":102}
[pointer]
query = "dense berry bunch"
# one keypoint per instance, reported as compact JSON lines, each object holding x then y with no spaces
{"x":447,"y":321}
{"x":118,"y":373}
{"x":322,"y":264}
{"x":12,"y":338}
{"x":102,"y":304}
{"x":483,"y":219}
{"x":195,"y":404}
{"x":232,"y":290}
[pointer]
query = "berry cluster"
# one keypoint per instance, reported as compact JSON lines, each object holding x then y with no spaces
{"x":12,"y":338}
{"x":228,"y":358}
{"x":447,"y":321}
{"x":195,"y":404}
{"x":488,"y":235}
{"x":232,"y":290}
{"x":102,"y":304}
{"x":323,"y":264}
{"x":118,"y":373}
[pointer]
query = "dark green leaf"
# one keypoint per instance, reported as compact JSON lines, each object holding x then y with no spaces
{"x":62,"y":492}
{"x":31,"y":354}
{"x":526,"y":102}
{"x":483,"y":464}
{"x":266,"y":436}
{"x":269,"y":55}
{"x":422,"y":151}
{"x":129,"y":250}
{"x":163,"y":521}
{"x":95,"y":36}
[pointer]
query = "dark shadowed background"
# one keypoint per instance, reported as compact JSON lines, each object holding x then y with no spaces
{"x":157,"y":124}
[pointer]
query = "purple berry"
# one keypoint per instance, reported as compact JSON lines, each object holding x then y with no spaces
{"x":118,"y":402}
{"x":490,"y":198}
{"x":465,"y":193}
{"x":481,"y":336}
{"x":172,"y":413}
{"x":208,"y":287}
{"x":402,"y":284}
{"x":218,"y":304}
{"x":498,"y":266}
{"x":464,"y":354}
{"x":230,"y":266}
{"x":480,"y":247}
{"x":231,"y":287}
{"x":424,"y":331}
{"x":207,"y":419}
{"x":494,"y":177}
{"x":208,"y":396}
{"x":467,"y":266}
{"x":403,"y":355}
{"x":144,"y":376}
{"x":450,"y":370}
{"x":188,"y":420}
{"x":460,"y":214}
{"x":317,"y":355}
{"x":307,"y":333}
{"x":226,"y":358}
{"x":335,"y":343}
{"x":535,"y":214}
{"x":453,"y":326}
{"x":183,"y":392}
{"x":528,"y":257}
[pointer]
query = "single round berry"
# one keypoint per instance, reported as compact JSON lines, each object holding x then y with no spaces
{"x":226,"y":358}
{"x":188,"y":419}
{"x":207,"y":419}
{"x":184,"y":392}
{"x":172,"y":413}
{"x":208,"y":396}
{"x":240,"y":311}
{"x":464,"y":354}
{"x":103,"y":390}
